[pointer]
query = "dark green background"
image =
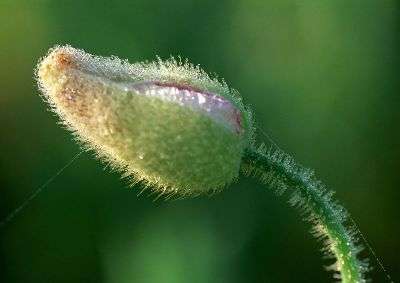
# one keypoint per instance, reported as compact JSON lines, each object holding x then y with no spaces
{"x":323,"y":80}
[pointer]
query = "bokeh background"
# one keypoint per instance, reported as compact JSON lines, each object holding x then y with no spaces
{"x":323,"y":80}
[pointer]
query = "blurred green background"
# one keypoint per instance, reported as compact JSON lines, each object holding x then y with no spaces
{"x":323,"y":80}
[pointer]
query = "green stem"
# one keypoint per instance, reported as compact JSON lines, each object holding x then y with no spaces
{"x":279,"y":169}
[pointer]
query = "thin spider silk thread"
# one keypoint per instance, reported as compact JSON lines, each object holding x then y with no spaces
{"x":268,"y":137}
{"x":354,"y":224}
{"x":371,"y":250}
{"x":68,"y":78}
{"x":16,"y":211}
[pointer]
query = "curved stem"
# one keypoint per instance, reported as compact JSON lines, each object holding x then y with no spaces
{"x":280,"y":170}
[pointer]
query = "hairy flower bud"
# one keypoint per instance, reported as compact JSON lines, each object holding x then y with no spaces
{"x":164,"y":123}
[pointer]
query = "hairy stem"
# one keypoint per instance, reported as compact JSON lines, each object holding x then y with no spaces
{"x":280,"y":170}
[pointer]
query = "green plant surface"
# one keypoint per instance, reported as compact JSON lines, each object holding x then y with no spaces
{"x":161,"y":126}
{"x":309,"y":195}
{"x":323,"y":80}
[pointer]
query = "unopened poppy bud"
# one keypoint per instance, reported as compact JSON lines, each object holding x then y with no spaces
{"x":164,"y":123}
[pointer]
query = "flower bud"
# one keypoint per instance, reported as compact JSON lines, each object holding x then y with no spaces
{"x":165,"y":123}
